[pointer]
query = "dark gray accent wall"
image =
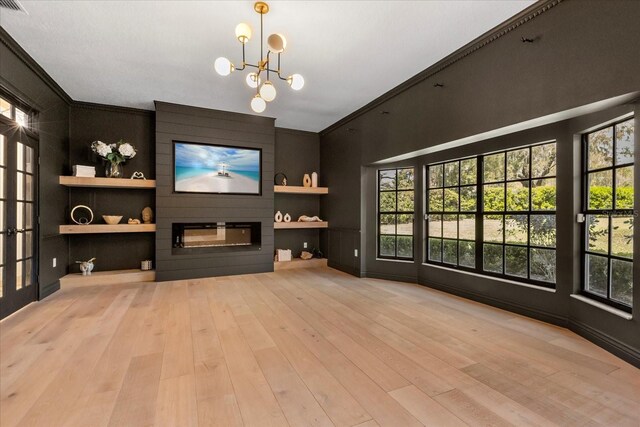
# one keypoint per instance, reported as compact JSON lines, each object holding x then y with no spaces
{"x":23,"y":78}
{"x":494,"y":82}
{"x":297,"y":153}
{"x":90,"y":122}
{"x":192,"y":124}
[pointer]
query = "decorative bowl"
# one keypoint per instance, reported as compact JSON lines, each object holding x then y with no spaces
{"x":112,"y":219}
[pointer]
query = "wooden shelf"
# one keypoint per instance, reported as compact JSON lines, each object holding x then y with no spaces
{"x":295,"y":225}
{"x":300,"y":263}
{"x":296,"y":189}
{"x":82,"y":181}
{"x":106,"y":228}
{"x":108,"y":277}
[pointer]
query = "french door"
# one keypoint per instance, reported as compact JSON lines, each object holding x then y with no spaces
{"x":18,"y":225}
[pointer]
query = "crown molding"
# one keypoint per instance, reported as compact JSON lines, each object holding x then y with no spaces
{"x":110,"y":108}
{"x":490,"y":36}
{"x":17,"y":50}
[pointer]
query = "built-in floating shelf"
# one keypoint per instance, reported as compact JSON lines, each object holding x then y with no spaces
{"x":296,"y":189}
{"x":108,"y":278}
{"x":81,"y":181}
{"x":296,"y":225}
{"x":106,"y":228}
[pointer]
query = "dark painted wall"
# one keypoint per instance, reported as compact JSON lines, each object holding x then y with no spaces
{"x":22,"y":77}
{"x":297,"y":153}
{"x":182,"y":123}
{"x":90,"y":122}
{"x":488,"y":86}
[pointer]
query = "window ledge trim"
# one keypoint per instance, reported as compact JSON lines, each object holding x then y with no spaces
{"x":405,"y":261}
{"x":603,"y":306}
{"x":498,"y":279}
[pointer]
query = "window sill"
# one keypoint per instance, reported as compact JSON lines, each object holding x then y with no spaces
{"x":605,"y":307}
{"x":404,"y":261}
{"x":497,"y":279}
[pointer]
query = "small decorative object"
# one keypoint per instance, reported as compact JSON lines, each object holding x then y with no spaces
{"x":85,"y":171}
{"x":112,"y":219}
{"x":147,"y":215}
{"x":283,"y":254}
{"x":86,"y":267}
{"x":85,"y":219}
{"x":133,"y":221}
{"x":283,"y":179}
{"x":146,"y":265}
{"x":138,"y":175}
{"x":306,"y":181}
{"x":317,"y":253}
{"x":287,"y":218}
{"x":314,"y":179}
{"x":305,"y":218}
{"x":115,"y":155}
{"x":306,"y":255}
{"x":278,"y":216}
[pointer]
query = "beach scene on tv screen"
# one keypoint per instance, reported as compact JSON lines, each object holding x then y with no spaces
{"x":216,"y":169}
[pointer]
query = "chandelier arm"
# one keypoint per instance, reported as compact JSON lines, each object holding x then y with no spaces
{"x":267,"y":64}
{"x":244,"y":64}
{"x":261,"y":41}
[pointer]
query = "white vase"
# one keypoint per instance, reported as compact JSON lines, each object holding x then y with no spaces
{"x":314,"y":179}
{"x":306,"y":180}
{"x":287,"y":218}
{"x":278,"y":216}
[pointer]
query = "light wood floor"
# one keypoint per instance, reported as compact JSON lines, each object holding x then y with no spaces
{"x":303,"y":348}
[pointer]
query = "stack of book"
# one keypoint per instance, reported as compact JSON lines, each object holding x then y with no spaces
{"x":88,"y":171}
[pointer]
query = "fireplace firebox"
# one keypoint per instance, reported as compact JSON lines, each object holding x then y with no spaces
{"x":216,"y":236}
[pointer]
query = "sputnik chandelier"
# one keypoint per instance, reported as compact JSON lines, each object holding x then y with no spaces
{"x":276,"y":43}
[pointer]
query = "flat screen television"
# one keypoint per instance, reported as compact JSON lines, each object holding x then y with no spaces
{"x":216,"y":169}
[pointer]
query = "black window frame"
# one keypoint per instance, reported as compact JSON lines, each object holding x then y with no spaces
{"x":396,"y":212}
{"x":610,"y":213}
{"x":480,"y":214}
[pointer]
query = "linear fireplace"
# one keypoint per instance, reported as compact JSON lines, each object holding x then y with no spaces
{"x":216,"y":237}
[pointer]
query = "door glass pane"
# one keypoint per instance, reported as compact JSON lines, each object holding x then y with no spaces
{"x":28,"y":187}
{"x":405,"y":225}
{"x":543,"y":195}
{"x":518,"y":164}
{"x":20,"y":215}
{"x":387,"y":224}
{"x":19,"y":246}
{"x":542,"y":230}
{"x":27,"y":273}
{"x":388,"y":180}
{"x":28,"y":244}
{"x":20,"y":156}
{"x":405,"y":246}
{"x":518,"y":196}
{"x":28,"y":212}
{"x":493,"y":228}
{"x":624,"y":188}
{"x":435,"y":249}
{"x":22,"y":118}
{"x":5,"y":108}
{"x":493,"y":197}
{"x":450,"y":251}
{"x":467,"y":227}
{"x":19,"y":276}
{"x":467,"y":251}
{"x":450,"y":226}
{"x":29,"y":159}
{"x":516,"y":229}
{"x":543,"y":160}
{"x":494,"y":168}
{"x":20,"y":186}
{"x":435,"y":225}
{"x":405,"y":179}
{"x":3,"y":180}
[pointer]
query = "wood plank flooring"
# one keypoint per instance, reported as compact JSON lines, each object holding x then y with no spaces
{"x":300,"y":347}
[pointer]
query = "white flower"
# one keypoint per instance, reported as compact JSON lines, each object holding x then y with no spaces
{"x":101,"y":148}
{"x":127,"y":150}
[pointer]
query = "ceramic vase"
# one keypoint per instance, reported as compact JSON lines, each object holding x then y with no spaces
{"x":314,"y":179}
{"x":306,"y":181}
{"x":278,"y":216}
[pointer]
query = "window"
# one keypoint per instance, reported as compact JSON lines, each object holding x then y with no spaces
{"x":452,"y":206}
{"x":608,"y":203}
{"x":495,"y":214}
{"x":395,"y":213}
{"x":14,"y":113}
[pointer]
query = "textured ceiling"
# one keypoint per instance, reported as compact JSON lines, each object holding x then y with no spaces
{"x":130,"y":53}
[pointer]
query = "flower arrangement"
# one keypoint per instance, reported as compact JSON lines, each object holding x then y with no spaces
{"x":119,"y":152}
{"x":115,"y":154}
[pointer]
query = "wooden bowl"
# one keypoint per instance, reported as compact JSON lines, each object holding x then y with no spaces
{"x":112,"y":219}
